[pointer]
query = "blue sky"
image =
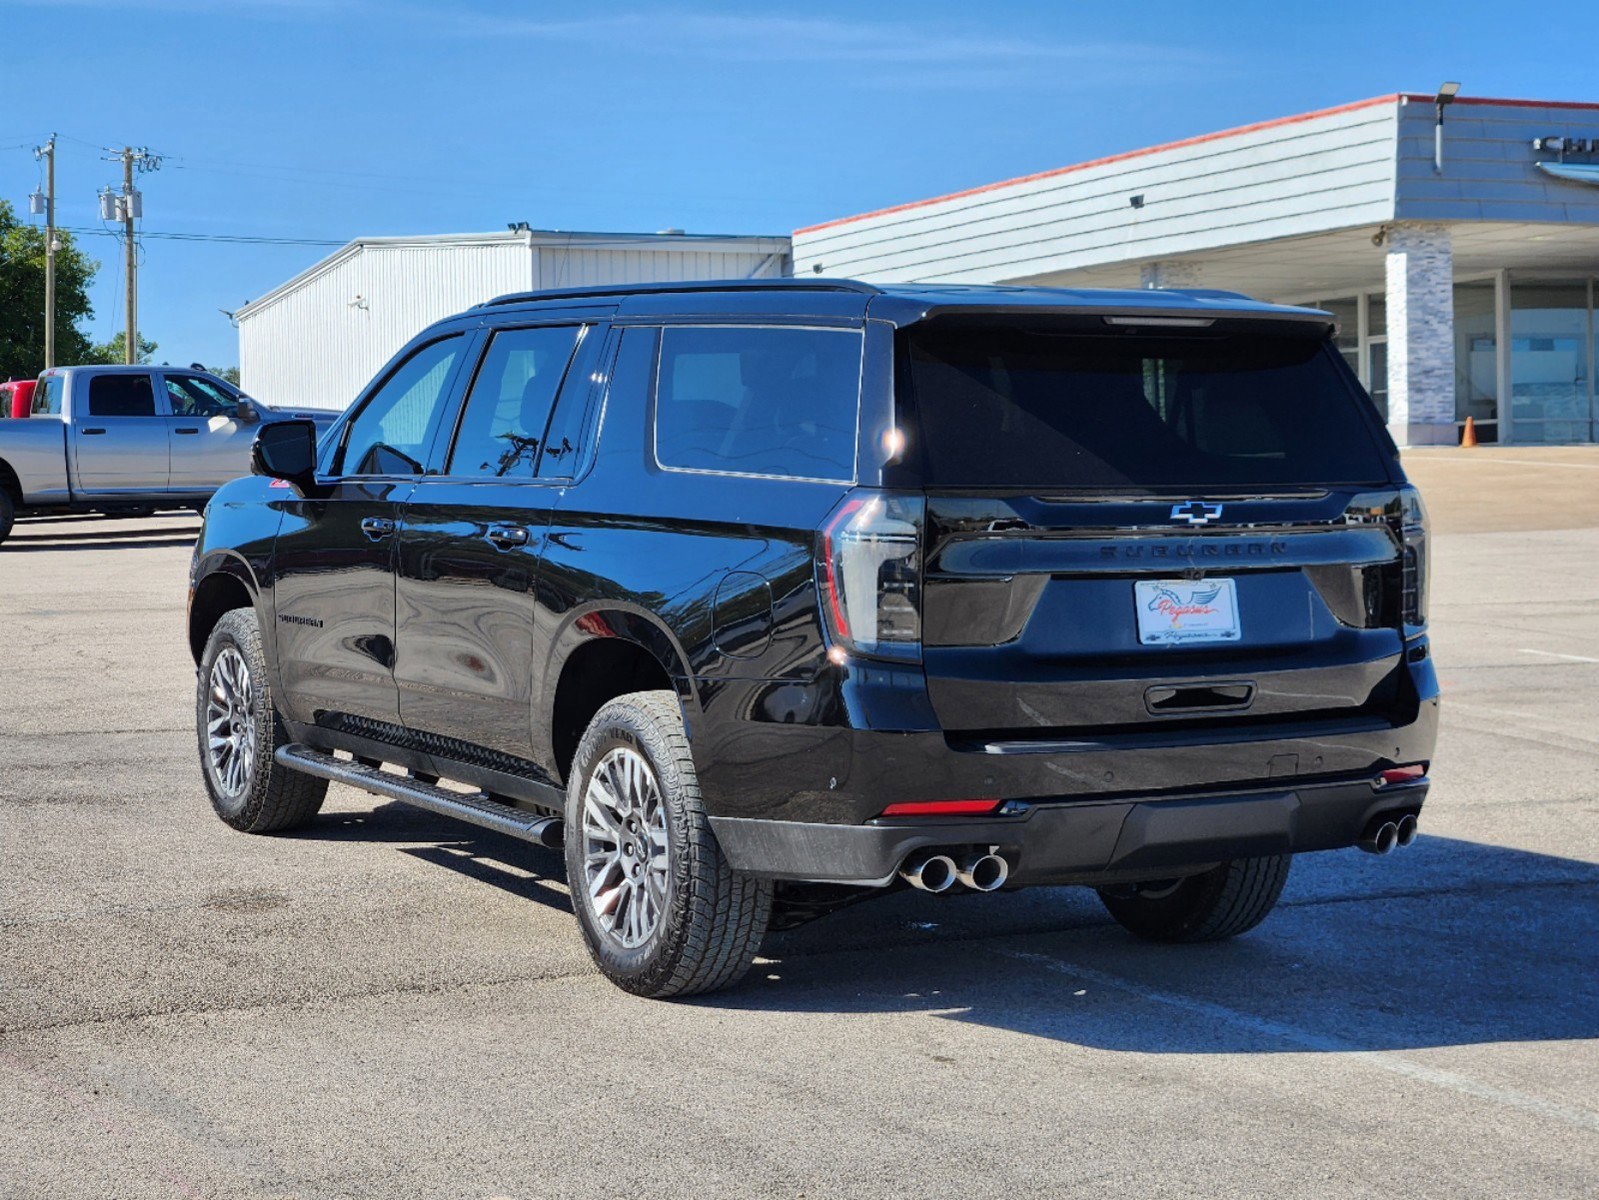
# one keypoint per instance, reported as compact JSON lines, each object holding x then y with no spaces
{"x":329,"y":119}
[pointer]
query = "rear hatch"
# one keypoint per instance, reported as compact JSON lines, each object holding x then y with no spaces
{"x":1140,"y":524}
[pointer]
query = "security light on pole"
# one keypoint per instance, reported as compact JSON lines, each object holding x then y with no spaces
{"x":1445,"y":96}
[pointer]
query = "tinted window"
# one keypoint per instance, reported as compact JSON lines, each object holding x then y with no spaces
{"x":502,"y":428}
{"x":563,"y":439}
{"x":1033,"y":407}
{"x":390,"y":435}
{"x":47,"y":396}
{"x":193,"y":396}
{"x":121,"y":396}
{"x":759,"y":400}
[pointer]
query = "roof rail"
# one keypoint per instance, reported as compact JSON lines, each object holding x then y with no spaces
{"x":783,"y":283}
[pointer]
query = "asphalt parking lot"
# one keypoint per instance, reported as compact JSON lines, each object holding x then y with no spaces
{"x":391,"y":1004}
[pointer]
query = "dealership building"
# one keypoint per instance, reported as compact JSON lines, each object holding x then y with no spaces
{"x":1455,"y":238}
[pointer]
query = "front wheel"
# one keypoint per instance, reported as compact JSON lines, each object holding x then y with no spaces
{"x":661,"y":910}
{"x":1220,"y":903}
{"x":239,"y":731}
{"x":8,"y":514}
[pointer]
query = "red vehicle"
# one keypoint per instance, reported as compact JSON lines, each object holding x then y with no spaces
{"x":16,"y":397}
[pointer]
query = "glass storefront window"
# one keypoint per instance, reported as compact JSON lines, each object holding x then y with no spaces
{"x":1551,"y":343}
{"x":1476,"y":357}
{"x":1377,"y":350}
{"x":1377,"y":317}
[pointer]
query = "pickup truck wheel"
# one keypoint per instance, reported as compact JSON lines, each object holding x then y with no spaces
{"x":662,"y":912}
{"x":8,"y":514}
{"x":239,"y":731}
{"x":1221,"y":903}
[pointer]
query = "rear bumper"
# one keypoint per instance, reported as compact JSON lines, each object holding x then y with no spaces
{"x":1078,"y":841}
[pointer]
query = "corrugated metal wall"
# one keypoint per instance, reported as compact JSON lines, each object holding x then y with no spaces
{"x":1489,"y":172}
{"x":1305,"y":175}
{"x":319,"y":343}
{"x":560,"y":266}
{"x":314,"y":345}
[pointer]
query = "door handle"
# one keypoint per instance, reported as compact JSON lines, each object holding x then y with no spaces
{"x":91,"y":432}
{"x":377,"y":527}
{"x":506,"y":536}
{"x":186,"y":429}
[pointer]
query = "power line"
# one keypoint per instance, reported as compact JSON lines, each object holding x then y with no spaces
{"x":237,"y":238}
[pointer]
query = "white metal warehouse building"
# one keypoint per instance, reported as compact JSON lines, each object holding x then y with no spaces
{"x":318,"y":339}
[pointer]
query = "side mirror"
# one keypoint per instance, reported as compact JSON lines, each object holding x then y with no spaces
{"x":286,"y":450}
{"x":246,"y":412}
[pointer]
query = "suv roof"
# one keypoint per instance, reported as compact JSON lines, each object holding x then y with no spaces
{"x":905,"y":303}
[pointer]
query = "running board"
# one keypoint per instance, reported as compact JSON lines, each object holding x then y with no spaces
{"x":475,"y":808}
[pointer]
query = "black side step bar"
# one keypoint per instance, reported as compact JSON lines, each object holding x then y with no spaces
{"x":475,"y":808}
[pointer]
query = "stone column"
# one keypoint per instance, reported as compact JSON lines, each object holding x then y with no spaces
{"x":1421,"y":334}
{"x":1169,"y":275}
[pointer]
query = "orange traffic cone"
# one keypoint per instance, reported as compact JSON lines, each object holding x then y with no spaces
{"x":1468,"y":436}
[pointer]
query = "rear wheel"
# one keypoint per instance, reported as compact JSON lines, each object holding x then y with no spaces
{"x":8,"y":514}
{"x":1221,"y":903}
{"x":662,"y":912}
{"x":239,"y":732}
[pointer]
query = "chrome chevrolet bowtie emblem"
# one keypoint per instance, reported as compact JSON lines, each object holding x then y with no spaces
{"x":1196,"y":512}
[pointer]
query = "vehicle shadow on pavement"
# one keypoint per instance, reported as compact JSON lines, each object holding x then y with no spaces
{"x":82,"y":536}
{"x":525,"y":870}
{"x":1448,"y":943}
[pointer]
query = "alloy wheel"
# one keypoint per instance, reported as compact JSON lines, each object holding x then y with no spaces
{"x":626,"y":856}
{"x":230,"y":722}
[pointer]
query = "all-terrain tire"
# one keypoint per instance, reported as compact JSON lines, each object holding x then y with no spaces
{"x":265,"y":797}
{"x":711,"y":918}
{"x":1222,"y":903}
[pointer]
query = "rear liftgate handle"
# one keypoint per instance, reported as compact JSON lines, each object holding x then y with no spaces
{"x":506,"y":536}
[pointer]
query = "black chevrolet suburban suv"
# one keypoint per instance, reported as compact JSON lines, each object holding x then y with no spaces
{"x":765,"y":597}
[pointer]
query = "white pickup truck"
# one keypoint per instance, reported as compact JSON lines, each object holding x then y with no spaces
{"x":128,"y":439}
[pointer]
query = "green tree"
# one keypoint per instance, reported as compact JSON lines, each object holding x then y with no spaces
{"x":22,"y":297}
{"x":113,"y":352}
{"x":231,"y":374}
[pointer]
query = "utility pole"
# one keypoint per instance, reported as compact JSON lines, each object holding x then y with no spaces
{"x":131,"y":349}
{"x":48,"y":153}
{"x":128,"y":207}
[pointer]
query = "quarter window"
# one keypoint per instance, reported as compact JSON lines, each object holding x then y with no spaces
{"x":390,"y":435}
{"x":502,"y":428}
{"x":121,"y":396}
{"x":759,"y":400}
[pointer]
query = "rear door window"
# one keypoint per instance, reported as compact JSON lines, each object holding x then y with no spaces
{"x":47,"y":396}
{"x":759,"y":400}
{"x":121,"y":396}
{"x":502,"y":427}
{"x":1033,"y":407}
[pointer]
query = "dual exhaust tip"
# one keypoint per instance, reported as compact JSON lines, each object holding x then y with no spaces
{"x":1385,"y":834}
{"x":935,"y":871}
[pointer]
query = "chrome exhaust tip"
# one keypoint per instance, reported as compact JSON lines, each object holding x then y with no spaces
{"x":983,"y":872}
{"x":1380,"y":837}
{"x":929,"y":872}
{"x":1406,"y":830}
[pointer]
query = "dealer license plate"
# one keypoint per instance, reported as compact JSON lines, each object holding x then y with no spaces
{"x":1174,"y":611}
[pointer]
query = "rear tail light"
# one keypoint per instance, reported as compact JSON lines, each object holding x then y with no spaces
{"x":870,"y":574}
{"x":1413,"y":566}
{"x":1400,"y":775}
{"x":942,"y":808}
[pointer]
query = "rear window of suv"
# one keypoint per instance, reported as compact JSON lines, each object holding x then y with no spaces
{"x":759,"y":400}
{"x":1034,"y":406}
